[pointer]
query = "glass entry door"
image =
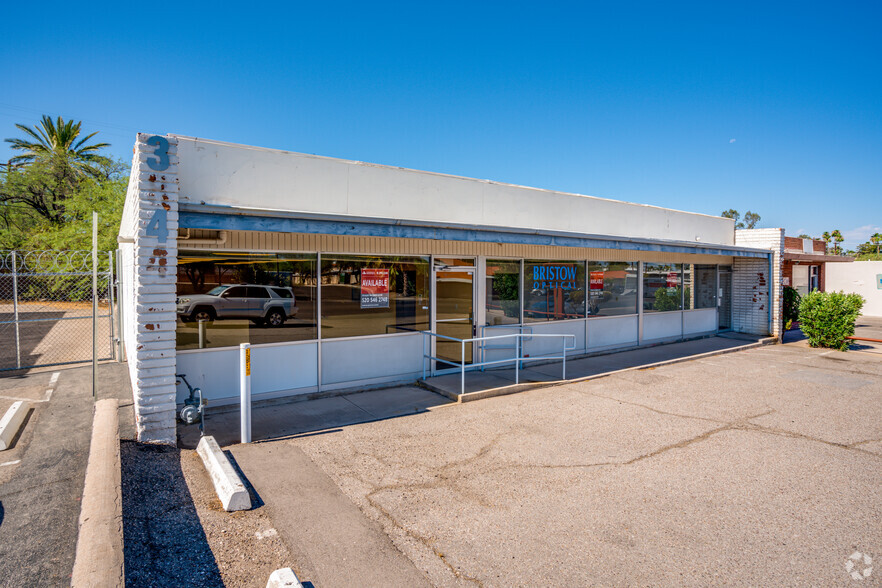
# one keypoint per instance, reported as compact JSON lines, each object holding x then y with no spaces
{"x":725,"y":299}
{"x":454,"y":314}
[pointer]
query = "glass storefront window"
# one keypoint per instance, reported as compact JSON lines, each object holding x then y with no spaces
{"x":662,"y":287}
{"x":374,"y":295}
{"x":503,"y":292}
{"x":554,"y":290}
{"x":702,"y":292}
{"x":612,"y":288}
{"x":244,"y":298}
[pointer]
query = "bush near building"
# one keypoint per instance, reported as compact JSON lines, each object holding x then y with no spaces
{"x":791,"y":304}
{"x":827,"y":318}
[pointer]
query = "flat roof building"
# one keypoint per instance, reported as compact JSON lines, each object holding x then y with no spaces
{"x":344,"y":274}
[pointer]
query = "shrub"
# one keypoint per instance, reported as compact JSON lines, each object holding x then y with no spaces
{"x":791,"y":304}
{"x":827,"y":318}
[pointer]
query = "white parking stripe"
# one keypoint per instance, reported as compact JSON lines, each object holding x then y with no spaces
{"x":13,"y":462}
{"x":54,"y":378}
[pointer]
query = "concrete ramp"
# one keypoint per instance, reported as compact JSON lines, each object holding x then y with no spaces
{"x":334,"y":543}
{"x":498,"y":382}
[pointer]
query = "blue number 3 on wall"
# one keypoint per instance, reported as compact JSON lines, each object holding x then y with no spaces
{"x":161,"y":152}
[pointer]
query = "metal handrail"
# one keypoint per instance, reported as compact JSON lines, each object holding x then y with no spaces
{"x":517,"y":360}
{"x":521,"y":329}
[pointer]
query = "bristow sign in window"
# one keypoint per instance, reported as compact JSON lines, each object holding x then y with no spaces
{"x":554,"y":276}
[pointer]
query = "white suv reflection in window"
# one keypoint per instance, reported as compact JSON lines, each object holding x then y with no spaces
{"x":269,"y":305}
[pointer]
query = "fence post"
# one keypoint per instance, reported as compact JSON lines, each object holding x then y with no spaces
{"x":121,"y":336}
{"x":245,"y":392}
{"x":517,"y":357}
{"x":94,"y":305}
{"x":111,"y":299}
{"x":15,"y":310}
{"x":462,"y":367}
{"x":564,"y":353}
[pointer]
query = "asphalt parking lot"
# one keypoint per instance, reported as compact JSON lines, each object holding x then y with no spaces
{"x":42,"y":473}
{"x":761,"y":467}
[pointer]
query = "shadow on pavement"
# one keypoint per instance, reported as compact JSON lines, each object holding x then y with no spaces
{"x":286,"y":418}
{"x":164,"y":543}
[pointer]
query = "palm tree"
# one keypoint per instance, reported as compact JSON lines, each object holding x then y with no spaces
{"x":826,"y":238}
{"x":876,"y":239}
{"x":60,"y":142}
{"x":837,"y":239}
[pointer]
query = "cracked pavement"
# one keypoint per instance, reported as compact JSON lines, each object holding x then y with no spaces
{"x":761,"y":467}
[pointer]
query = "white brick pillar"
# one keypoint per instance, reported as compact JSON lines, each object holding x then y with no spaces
{"x":152,"y":216}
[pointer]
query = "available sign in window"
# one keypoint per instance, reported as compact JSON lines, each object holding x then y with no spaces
{"x":597,"y":283}
{"x":374,"y":287}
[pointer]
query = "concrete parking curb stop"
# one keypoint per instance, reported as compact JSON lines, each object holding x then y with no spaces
{"x":11,"y":422}
{"x":283,"y":578}
{"x":227,"y":483}
{"x":99,"y":556}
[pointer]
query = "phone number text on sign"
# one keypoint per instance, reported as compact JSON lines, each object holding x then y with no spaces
{"x":374,"y":287}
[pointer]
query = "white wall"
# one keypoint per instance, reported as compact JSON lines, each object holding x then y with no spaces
{"x":349,"y":361}
{"x":614,"y":331}
{"x":860,"y":277}
{"x":538,"y":346}
{"x":256,"y":178}
{"x":661,"y":326}
{"x":287,"y":369}
{"x":702,"y":320}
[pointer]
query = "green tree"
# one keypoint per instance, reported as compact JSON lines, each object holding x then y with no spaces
{"x":803,"y":236}
{"x":48,"y":193}
{"x":30,"y":217}
{"x":734,"y":215}
{"x":59,"y":143}
{"x":876,"y":239}
{"x":751,"y":219}
{"x":837,"y":239}
{"x":106,"y":197}
{"x":749,"y":222}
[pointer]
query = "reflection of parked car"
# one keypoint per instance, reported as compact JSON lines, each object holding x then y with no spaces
{"x":260,"y":304}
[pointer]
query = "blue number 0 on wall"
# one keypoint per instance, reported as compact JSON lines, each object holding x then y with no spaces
{"x":161,"y":152}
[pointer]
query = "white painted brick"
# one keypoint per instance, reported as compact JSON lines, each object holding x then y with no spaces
{"x":156,"y":362}
{"x":159,"y":354}
{"x":159,"y":306}
{"x":151,"y":334}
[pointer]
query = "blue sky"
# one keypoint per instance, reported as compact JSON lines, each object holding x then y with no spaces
{"x":695,"y":106}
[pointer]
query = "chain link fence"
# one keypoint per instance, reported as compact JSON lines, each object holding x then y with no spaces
{"x":46,"y":313}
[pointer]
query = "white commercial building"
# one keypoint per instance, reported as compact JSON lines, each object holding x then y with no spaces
{"x":343,"y":274}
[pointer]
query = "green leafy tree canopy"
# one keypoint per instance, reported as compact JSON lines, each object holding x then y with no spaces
{"x":750,"y":218}
{"x":59,"y":142}
{"x":48,"y":192}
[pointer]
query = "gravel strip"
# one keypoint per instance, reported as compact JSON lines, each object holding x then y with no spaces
{"x":177,"y":534}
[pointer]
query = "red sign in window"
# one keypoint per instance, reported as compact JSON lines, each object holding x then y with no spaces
{"x":597,"y":280}
{"x":374,"y":287}
{"x":673,"y":279}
